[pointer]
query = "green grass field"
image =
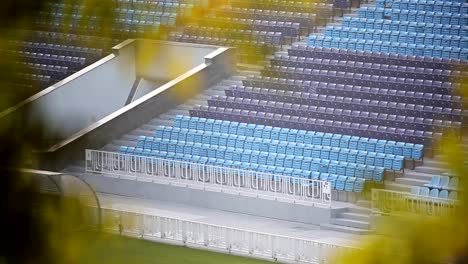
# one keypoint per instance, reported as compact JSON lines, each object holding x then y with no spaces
{"x":107,"y":248}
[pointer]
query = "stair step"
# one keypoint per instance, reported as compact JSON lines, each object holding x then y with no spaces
{"x":160,"y":122}
{"x":119,"y":143}
{"x":215,"y":92}
{"x":175,"y":112}
{"x":364,"y":203}
{"x":141,"y":132}
{"x":149,"y":127}
{"x":359,"y":210}
{"x":344,"y":229}
{"x":391,"y":185}
{"x":355,"y":216}
{"x":418,"y":175}
{"x":114,"y":146}
{"x":350,"y":223}
{"x":433,"y":162}
{"x":129,"y":138}
{"x":429,"y":170}
{"x":411,"y":181}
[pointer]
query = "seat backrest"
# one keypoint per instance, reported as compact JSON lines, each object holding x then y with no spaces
{"x":424,"y":191}
{"x":435,"y":180}
{"x":443,"y":194}
{"x":434,"y":193}
{"x":453,"y":184}
{"x":444,"y":182}
{"x":415,"y":190}
{"x":453,"y":195}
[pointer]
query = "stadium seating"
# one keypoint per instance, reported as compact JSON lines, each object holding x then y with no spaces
{"x":423,"y":192}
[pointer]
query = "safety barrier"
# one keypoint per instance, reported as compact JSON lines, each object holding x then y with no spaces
{"x":221,"y":238}
{"x":212,"y":178}
{"x":387,"y":202}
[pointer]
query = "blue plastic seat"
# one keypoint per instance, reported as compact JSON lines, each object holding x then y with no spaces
{"x":415,"y":190}
{"x":424,"y":191}
{"x":341,"y":183}
{"x":332,"y":178}
{"x":453,"y":195}
{"x":324,"y":176}
{"x":359,"y":185}
{"x":434,"y":193}
{"x":444,"y":182}
{"x":444,"y":194}
{"x":434,"y":183}
{"x":349,"y":185}
{"x":453,"y":184}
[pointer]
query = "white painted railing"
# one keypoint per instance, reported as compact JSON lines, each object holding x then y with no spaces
{"x":393,"y":203}
{"x":211,"y":178}
{"x":221,"y":238}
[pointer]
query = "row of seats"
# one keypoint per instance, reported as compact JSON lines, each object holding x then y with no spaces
{"x":97,"y":42}
{"x":73,"y":63}
{"x":283,"y":149}
{"x":323,"y":10}
{"x":405,"y":26}
{"x":366,"y":67}
{"x":434,"y":6}
{"x":414,"y":16}
{"x":323,"y":100}
{"x":244,"y":47}
{"x":305,"y":165}
{"x":269,"y":38}
{"x":407,"y":150}
{"x":127,"y":18}
{"x":316,"y":124}
{"x":409,"y":98}
{"x":58,"y":49}
{"x":388,"y":47}
{"x":438,"y":104}
{"x":376,"y":57}
{"x":288,"y":29}
{"x":443,"y":182}
{"x":303,"y":18}
{"x":340,"y":183}
{"x":36,"y":80}
{"x":337,"y":114}
{"x":153,"y":5}
{"x":350,"y":78}
{"x":433,"y":193}
{"x":55,"y":72}
{"x":418,"y":4}
{"x":145,"y":16}
{"x":396,"y":36}
{"x":142,"y":7}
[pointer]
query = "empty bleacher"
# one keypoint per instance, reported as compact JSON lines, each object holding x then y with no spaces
{"x":357,"y":106}
{"x":364,"y":111}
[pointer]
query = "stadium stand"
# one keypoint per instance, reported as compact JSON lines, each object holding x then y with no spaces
{"x":352,"y":106}
{"x":358,"y":106}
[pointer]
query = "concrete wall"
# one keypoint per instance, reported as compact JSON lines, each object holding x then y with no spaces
{"x":159,"y":60}
{"x":84,"y":97}
{"x":82,"y":101}
{"x":209,"y":199}
{"x":218,"y":65}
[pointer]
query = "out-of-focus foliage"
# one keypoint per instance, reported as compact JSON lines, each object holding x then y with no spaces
{"x":418,"y":238}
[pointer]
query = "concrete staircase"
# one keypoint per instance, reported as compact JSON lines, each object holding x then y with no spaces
{"x":165,"y":119}
{"x":353,"y":220}
{"x":422,"y":173}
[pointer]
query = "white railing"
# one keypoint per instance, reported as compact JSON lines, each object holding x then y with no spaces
{"x":394,"y":203}
{"x":211,"y":178}
{"x":221,"y":238}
